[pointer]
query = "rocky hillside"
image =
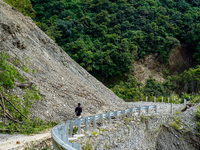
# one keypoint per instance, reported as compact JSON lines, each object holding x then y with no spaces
{"x":62,"y":82}
{"x":148,"y":67}
{"x":179,"y":60}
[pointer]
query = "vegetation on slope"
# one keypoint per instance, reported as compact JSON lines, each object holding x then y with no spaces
{"x":197,"y":119}
{"x":14,"y":109}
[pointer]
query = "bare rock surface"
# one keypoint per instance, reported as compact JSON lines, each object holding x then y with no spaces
{"x":62,"y":82}
{"x":148,"y":67}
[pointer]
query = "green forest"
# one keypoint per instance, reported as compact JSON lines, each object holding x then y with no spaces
{"x":106,"y":37}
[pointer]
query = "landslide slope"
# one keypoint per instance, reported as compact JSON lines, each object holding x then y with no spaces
{"x":62,"y":82}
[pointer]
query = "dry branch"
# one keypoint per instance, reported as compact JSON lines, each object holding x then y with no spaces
{"x":26,"y":85}
{"x":15,"y":107}
{"x":4,"y":109}
{"x":8,"y":130}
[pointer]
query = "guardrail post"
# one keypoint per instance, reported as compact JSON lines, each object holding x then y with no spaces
{"x":123,"y":112}
{"x":61,"y":132}
{"x":94,"y":122}
{"x":162,"y":99}
{"x":65,"y":133}
{"x":168,"y":99}
{"x":146,"y":99}
{"x":154,"y":99}
{"x":86,"y":124}
{"x":71,"y":128}
{"x":156,"y":109}
{"x":117,"y":116}
{"x":101,"y":118}
{"x":109,"y":120}
{"x":171,"y":108}
{"x":79,"y":126}
{"x":67,"y":128}
{"x":147,"y":109}
{"x":131,"y":112}
{"x":179,"y":100}
{"x":184,"y":101}
{"x":174,"y":100}
{"x":139,"y":113}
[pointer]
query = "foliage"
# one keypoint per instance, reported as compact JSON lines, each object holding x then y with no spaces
{"x":176,"y":123}
{"x":33,"y":146}
{"x":8,"y":76}
{"x":189,"y":80}
{"x":75,"y":129}
{"x":23,"y":6}
{"x":195,"y":98}
{"x":129,"y":89}
{"x":28,"y":127}
{"x":197,"y":120}
{"x":87,"y":145}
{"x":155,"y":88}
{"x":94,"y":133}
{"x":106,"y":36}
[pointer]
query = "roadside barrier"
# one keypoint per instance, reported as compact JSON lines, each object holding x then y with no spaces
{"x":64,"y":131}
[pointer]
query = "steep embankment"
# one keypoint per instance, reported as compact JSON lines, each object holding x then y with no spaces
{"x":62,"y":82}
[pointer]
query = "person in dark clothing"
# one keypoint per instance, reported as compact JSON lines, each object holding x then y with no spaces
{"x":78,"y":111}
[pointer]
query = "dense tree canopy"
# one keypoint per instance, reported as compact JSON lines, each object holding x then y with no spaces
{"x":105,"y":36}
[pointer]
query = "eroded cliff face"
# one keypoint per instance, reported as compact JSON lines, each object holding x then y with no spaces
{"x":170,"y":138}
{"x":148,"y":67}
{"x":179,"y":60}
{"x":62,"y":82}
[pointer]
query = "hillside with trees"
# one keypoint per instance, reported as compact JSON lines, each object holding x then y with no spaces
{"x":106,"y":37}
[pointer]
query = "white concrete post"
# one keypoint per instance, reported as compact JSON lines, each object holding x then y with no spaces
{"x":71,"y":128}
{"x":94,"y":122}
{"x":101,"y":117}
{"x":184,"y":101}
{"x":156,"y":109}
{"x":123,"y":112}
{"x":117,"y":115}
{"x":146,"y":99}
{"x":86,"y":124}
{"x":174,"y":100}
{"x":109,"y":119}
{"x":139,"y":113}
{"x":154,"y":99}
{"x":79,"y":126}
{"x":147,"y":109}
{"x":131,"y":112}
{"x":168,"y":99}
{"x":66,"y":131}
{"x":171,"y":108}
{"x":162,"y":99}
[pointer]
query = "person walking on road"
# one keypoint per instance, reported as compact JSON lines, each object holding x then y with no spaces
{"x":78,"y":111}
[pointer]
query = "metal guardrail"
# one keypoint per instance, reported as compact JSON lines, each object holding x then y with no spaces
{"x":168,"y":100}
{"x":63,"y":131}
